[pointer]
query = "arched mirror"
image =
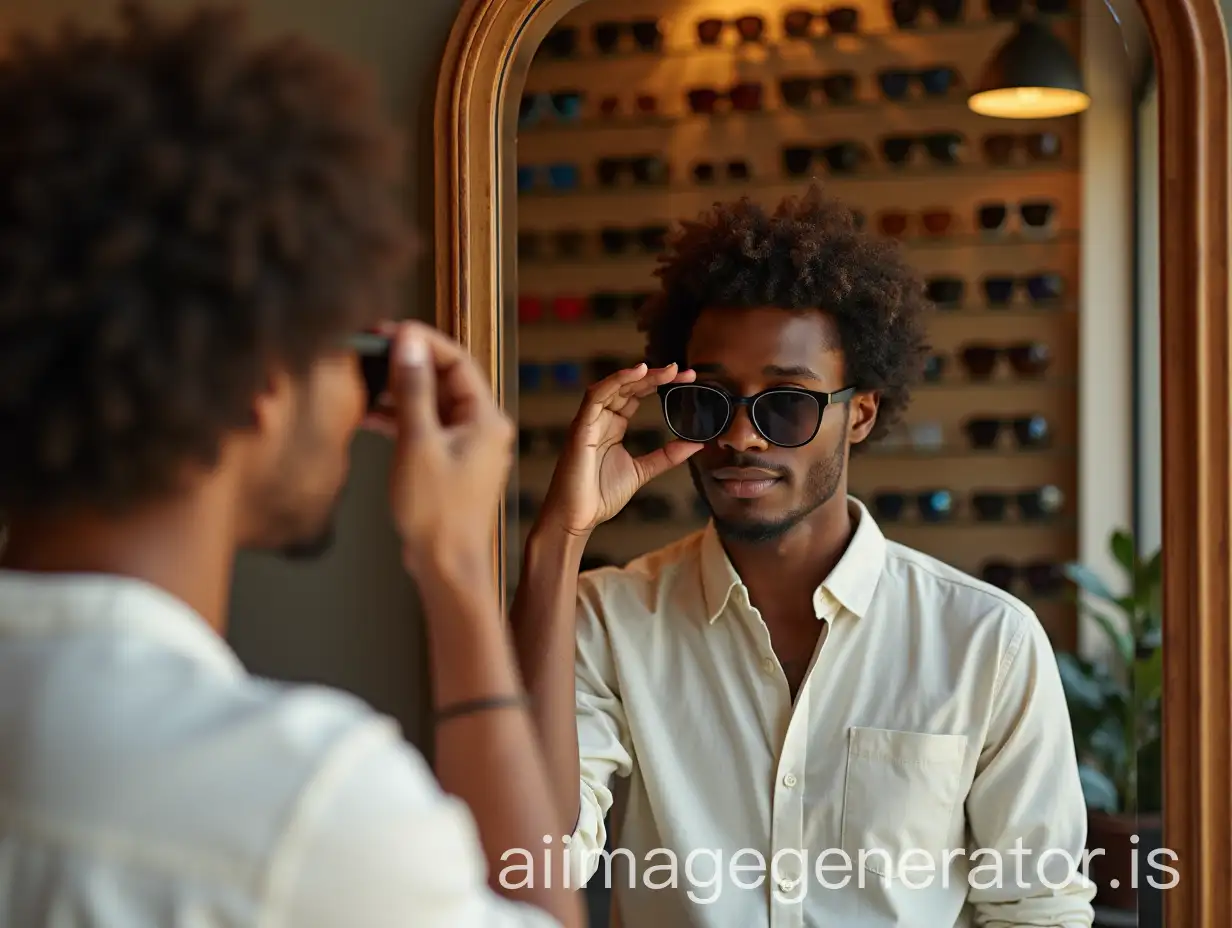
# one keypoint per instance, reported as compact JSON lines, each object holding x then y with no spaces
{"x":1068,"y":444}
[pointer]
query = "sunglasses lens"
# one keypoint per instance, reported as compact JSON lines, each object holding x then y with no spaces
{"x":1044,"y":578}
{"x":695,"y":413}
{"x":983,"y":432}
{"x":787,"y":417}
{"x":889,"y":506}
{"x":998,"y":290}
{"x":935,"y":505}
{"x":1045,"y":287}
{"x":989,"y":507}
{"x":1031,"y":431}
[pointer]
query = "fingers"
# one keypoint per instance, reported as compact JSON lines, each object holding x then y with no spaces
{"x":620,"y":391}
{"x":660,"y":461}
{"x":412,"y":379}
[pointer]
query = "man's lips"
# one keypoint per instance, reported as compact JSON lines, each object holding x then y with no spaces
{"x":744,"y":482}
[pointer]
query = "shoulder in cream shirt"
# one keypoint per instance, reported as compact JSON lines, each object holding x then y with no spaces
{"x":931,"y":725}
{"x":146,"y":781}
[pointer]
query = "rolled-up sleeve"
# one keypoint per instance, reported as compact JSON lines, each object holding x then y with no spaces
{"x":603,"y":734}
{"x":1026,"y":802}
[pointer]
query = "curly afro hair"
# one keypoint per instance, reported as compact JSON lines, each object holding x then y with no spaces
{"x":807,"y":254}
{"x":181,"y":212}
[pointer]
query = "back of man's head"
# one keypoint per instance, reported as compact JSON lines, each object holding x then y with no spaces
{"x":186,"y":214}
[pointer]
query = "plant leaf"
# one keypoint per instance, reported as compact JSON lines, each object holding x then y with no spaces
{"x":1121,"y":544}
{"x":1082,"y":688}
{"x":1121,"y":639}
{"x":1089,"y":581}
{"x":1099,"y":791}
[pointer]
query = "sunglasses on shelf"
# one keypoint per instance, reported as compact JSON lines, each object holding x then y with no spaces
{"x":1040,"y":577}
{"x":707,"y":172}
{"x":747,"y":29}
{"x":906,"y":13}
{"x":745,"y":97}
{"x":561,"y":42}
{"x":1046,"y":287}
{"x":935,"y":81}
{"x":787,"y":417}
{"x":1033,"y":505}
{"x":994,"y":217}
{"x":645,"y":35}
{"x":558,"y":105}
{"x":644,"y":104}
{"x":643,"y":170}
{"x":562,"y":243}
{"x":1000,"y":148}
{"x":616,"y":240}
{"x":1016,"y":9}
{"x":942,"y":148}
{"x":532,"y":309}
{"x":797,"y":90}
{"x":551,"y":439}
{"x":607,"y":306}
{"x":558,"y":176}
{"x":805,"y":24}
{"x":1026,"y":359}
{"x":554,"y":375}
{"x":899,"y":223}
{"x":839,"y":157}
{"x":932,"y":505}
{"x":1027,"y":432}
{"x":945,"y":292}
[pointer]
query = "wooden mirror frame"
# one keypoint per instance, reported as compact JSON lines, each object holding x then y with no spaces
{"x":487,"y":60}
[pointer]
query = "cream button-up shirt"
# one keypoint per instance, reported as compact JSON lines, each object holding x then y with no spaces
{"x":147,"y":781}
{"x":931,"y":726}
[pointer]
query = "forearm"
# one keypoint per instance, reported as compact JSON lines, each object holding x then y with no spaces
{"x":544,"y":633}
{"x":492,"y":759}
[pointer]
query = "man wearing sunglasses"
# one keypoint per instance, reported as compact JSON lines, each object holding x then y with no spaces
{"x":812,"y":725}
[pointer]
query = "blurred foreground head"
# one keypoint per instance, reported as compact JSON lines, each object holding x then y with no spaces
{"x":192,"y":221}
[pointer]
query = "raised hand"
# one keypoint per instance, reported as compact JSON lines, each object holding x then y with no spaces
{"x":596,"y":476}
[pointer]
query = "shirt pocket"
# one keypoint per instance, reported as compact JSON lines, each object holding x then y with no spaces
{"x":899,"y":796}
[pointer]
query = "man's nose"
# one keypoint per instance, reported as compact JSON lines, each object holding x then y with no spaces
{"x":740,"y":434}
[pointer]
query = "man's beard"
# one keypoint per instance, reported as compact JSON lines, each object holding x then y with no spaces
{"x":820,"y":484}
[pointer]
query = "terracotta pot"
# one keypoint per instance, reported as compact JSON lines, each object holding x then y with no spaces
{"x":1121,"y":872}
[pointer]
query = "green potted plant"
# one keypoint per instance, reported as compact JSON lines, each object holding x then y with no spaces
{"x":1114,"y":702}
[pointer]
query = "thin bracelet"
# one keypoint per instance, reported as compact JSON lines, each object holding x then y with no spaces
{"x":479,"y":705}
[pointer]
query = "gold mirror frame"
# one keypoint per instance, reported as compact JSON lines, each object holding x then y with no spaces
{"x":485,"y":64}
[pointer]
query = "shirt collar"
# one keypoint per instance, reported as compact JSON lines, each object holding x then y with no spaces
{"x":852,"y":582}
{"x":34,"y":604}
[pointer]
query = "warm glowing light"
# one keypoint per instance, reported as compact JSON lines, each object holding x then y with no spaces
{"x":1028,"y":102}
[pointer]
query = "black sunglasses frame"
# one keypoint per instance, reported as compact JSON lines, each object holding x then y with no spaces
{"x":735,"y":402}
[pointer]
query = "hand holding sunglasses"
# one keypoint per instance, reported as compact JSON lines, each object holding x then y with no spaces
{"x":596,"y":475}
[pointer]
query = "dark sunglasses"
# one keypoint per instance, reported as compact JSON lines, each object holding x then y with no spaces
{"x":840,"y":157}
{"x":798,"y":24}
{"x":994,"y":217}
{"x":1028,"y":359}
{"x":1015,"y":9}
{"x":788,"y":417}
{"x":1032,"y":505}
{"x":1042,"y":578}
{"x":562,"y":243}
{"x":1029,"y":432}
{"x":707,"y":172}
{"x":616,"y":240}
{"x":999,"y":149}
{"x":641,"y":169}
{"x":559,"y":375}
{"x":644,"y":104}
{"x":608,"y":305}
{"x":749,"y":29}
{"x":939,"y":147}
{"x":559,"y":106}
{"x":560,"y":43}
{"x":532,"y":309}
{"x":1046,"y":287}
{"x":646,"y":35}
{"x":935,"y":81}
{"x":945,"y":292}
{"x":934,"y":505}
{"x":906,"y":13}
{"x":559,"y":176}
{"x":745,"y":97}
{"x":797,"y":91}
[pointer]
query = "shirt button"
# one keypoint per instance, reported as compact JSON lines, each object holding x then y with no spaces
{"x":768,"y":665}
{"x":790,"y":780}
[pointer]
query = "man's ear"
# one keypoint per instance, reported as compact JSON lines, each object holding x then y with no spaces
{"x":863,"y":416}
{"x":273,"y":405}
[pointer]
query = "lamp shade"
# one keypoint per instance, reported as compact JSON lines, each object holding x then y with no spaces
{"x":1031,"y":76}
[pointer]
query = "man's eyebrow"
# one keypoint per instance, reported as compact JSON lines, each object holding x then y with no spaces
{"x":775,"y":370}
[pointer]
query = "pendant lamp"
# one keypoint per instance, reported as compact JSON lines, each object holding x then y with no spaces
{"x":1031,"y":76}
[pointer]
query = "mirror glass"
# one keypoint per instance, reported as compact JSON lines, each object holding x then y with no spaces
{"x":1032,"y":446}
